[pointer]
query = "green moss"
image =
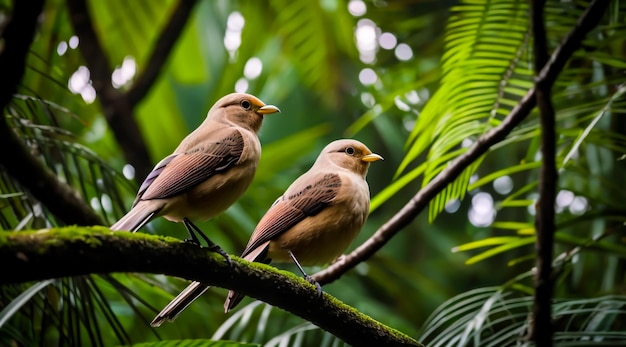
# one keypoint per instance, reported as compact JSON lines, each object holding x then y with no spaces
{"x":91,"y":236}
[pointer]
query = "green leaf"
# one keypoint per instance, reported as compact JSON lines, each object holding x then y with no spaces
{"x":9,"y":310}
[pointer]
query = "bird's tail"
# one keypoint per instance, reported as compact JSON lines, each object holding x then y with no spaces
{"x":180,"y":302}
{"x":259,"y":254}
{"x":138,"y":216}
{"x":232,"y":300}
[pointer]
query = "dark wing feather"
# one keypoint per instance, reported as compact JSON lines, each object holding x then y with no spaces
{"x":196,"y":166}
{"x":288,"y":211}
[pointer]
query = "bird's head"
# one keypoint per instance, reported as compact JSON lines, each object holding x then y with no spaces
{"x":242,"y":109}
{"x":349,"y":154}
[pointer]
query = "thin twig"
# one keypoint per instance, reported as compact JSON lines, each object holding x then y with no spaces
{"x":167,"y":39}
{"x":540,"y":328}
{"x":589,"y":19}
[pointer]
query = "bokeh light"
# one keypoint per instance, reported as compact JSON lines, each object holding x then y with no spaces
{"x":62,"y":48}
{"x":413,"y":97}
{"x":368,"y":99}
{"x":578,"y":206}
{"x":368,"y":76}
{"x":388,"y":41}
{"x":564,"y":198}
{"x":404,"y":52}
{"x":73,"y":42}
{"x":366,"y":43}
{"x":79,"y":83}
{"x":253,"y":68}
{"x":232,"y":36}
{"x":357,"y":8}
{"x":125,"y":73}
{"x":503,"y":185}
{"x":453,"y":205}
{"x":401,"y":105}
{"x":482,"y":213}
{"x":128,"y":171}
{"x":241,"y":86}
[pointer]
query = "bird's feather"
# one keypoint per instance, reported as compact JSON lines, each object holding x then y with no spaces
{"x":196,"y":165}
{"x":182,"y":300}
{"x":293,"y":207}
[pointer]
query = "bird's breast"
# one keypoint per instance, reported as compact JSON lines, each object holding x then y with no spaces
{"x":218,"y":192}
{"x":320,"y":239}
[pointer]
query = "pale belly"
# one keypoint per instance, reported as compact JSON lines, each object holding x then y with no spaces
{"x":320,"y":239}
{"x":210,"y":197}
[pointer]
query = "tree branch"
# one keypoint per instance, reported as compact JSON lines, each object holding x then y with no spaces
{"x":167,"y":38}
{"x":53,"y":253}
{"x":541,"y":325}
{"x":116,"y":107}
{"x":17,"y":37}
{"x":16,"y":159}
{"x":407,"y":214}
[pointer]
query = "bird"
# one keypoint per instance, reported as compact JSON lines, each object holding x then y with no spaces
{"x":311,"y":223}
{"x":208,"y":171}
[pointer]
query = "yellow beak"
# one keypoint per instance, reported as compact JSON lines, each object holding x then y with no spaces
{"x":267,"y":109}
{"x":372,"y":157}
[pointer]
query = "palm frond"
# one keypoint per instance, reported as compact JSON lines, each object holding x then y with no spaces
{"x":486,"y":71}
{"x":252,"y":323}
{"x":499,"y":317}
{"x":307,"y":30}
{"x":38,"y":123}
{"x":72,"y":310}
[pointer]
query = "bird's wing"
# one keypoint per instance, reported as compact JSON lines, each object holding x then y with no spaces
{"x":181,"y":171}
{"x":309,"y":198}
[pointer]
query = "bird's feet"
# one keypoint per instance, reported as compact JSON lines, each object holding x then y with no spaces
{"x":194,"y":231}
{"x":306,"y":277}
{"x":217,"y":249}
{"x":316,"y":284}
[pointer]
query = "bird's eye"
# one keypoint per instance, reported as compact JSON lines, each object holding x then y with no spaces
{"x":245,"y":104}
{"x":350,"y":151}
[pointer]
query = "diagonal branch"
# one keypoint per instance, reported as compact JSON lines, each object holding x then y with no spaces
{"x":53,"y":253}
{"x":589,"y":20}
{"x":15,"y":158}
{"x":116,"y":107}
{"x":168,"y":37}
{"x":541,"y":325}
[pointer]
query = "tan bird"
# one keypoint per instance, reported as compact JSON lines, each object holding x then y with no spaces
{"x":210,"y":169}
{"x":312,"y":223}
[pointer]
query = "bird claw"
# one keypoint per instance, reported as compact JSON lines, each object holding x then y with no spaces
{"x":194,"y":231}
{"x":217,"y":249}
{"x":318,"y":287}
{"x":192,"y":241}
{"x":213,"y":248}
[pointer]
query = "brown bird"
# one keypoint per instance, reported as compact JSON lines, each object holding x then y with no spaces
{"x":210,"y":169}
{"x":312,"y":223}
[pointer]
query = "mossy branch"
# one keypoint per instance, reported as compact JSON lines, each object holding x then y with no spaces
{"x":76,"y":251}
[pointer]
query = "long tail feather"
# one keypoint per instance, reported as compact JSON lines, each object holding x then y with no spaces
{"x":180,"y":302}
{"x":232,"y":300}
{"x":258,"y":254}
{"x":137,"y":217}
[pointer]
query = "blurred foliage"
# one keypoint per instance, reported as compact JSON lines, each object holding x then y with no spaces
{"x":448,"y":278}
